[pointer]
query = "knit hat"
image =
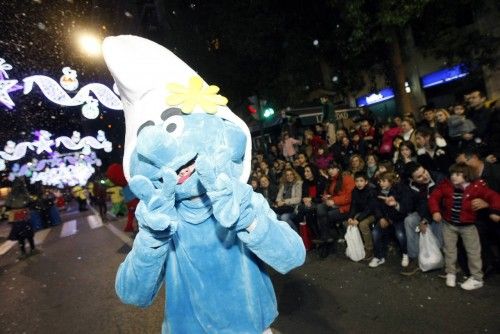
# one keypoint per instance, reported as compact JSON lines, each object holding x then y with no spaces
{"x":459,"y":125}
{"x":151,"y":79}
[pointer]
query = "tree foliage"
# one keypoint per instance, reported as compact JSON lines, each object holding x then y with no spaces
{"x":447,"y":30}
{"x":268,"y":47}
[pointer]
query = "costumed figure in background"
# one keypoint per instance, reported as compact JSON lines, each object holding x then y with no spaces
{"x":115,"y":174}
{"x":202,"y":229}
{"x":80,"y":194}
{"x":91,"y":192}
{"x":59,"y":201}
{"x":117,"y":201}
{"x":36,"y":206}
{"x":51,"y":212}
{"x":17,"y":204}
{"x":101,"y":195}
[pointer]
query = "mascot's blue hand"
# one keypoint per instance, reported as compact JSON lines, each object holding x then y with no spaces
{"x":230,"y":197}
{"x":156,"y":210}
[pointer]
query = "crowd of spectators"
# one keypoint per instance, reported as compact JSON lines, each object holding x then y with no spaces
{"x":396,"y":179}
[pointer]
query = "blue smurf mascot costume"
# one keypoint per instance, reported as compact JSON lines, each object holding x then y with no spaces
{"x":202,"y":229}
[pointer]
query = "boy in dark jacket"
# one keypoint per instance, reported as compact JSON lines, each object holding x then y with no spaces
{"x":454,"y":198}
{"x":390,"y":209}
{"x":360,"y":215}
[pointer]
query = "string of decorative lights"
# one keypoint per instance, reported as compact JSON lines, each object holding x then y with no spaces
{"x":57,"y":92}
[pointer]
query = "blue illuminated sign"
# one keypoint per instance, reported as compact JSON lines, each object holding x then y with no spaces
{"x":366,"y":100}
{"x":443,"y":76}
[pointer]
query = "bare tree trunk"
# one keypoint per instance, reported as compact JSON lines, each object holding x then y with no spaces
{"x":326,"y":73}
{"x":403,"y":99}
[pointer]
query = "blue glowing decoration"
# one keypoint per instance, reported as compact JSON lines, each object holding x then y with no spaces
{"x":366,"y":100}
{"x":443,"y":76}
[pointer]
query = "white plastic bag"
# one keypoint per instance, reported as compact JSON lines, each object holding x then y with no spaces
{"x":429,"y":255}
{"x":355,"y":249}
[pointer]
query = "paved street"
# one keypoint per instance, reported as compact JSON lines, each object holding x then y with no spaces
{"x":69,"y":288}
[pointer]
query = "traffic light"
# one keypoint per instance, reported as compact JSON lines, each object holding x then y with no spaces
{"x":260,"y":109}
{"x":268,"y":112}
{"x":253,"y":107}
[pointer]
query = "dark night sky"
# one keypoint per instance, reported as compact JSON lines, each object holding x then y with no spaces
{"x":40,"y":37}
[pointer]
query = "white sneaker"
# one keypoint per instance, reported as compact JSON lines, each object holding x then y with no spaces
{"x":375,"y":262}
{"x":405,"y":260}
{"x":451,"y":280}
{"x":472,"y":284}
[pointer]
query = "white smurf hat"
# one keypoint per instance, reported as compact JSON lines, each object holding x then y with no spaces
{"x":151,"y":79}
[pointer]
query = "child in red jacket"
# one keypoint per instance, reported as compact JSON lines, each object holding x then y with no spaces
{"x":453,"y":197}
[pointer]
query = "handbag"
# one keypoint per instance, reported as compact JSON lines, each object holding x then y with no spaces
{"x":355,"y":249}
{"x":429,"y":255}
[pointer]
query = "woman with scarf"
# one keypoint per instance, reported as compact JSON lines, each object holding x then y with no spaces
{"x":289,"y":196}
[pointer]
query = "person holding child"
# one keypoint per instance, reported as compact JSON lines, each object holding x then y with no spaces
{"x":454,"y":197}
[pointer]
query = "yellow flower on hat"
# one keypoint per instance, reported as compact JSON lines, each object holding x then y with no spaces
{"x":195,"y":95}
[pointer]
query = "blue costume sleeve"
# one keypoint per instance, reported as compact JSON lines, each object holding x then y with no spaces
{"x":140,"y":276}
{"x":273,"y":241}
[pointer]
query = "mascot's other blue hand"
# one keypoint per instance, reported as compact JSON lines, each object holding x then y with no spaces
{"x":156,"y":210}
{"x":230,"y":197}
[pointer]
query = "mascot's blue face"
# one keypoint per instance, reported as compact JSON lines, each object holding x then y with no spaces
{"x":179,"y":140}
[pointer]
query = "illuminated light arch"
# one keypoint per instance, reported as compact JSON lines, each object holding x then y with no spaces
{"x":56,"y":92}
{"x":62,"y":170}
{"x":45,"y":143}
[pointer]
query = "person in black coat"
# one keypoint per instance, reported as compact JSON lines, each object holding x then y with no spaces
{"x":479,"y":114}
{"x":422,"y":182}
{"x":432,"y":151}
{"x":17,"y":203}
{"x":489,"y":231}
{"x":268,"y":189}
{"x":494,"y":136}
{"x":313,"y":186}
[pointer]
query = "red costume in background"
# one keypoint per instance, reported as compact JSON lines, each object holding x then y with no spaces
{"x":116,"y":175}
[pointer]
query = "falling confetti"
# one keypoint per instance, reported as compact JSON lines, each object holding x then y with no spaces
{"x":38,"y":39}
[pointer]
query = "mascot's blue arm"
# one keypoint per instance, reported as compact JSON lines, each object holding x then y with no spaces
{"x":142,"y":273}
{"x":273,"y":241}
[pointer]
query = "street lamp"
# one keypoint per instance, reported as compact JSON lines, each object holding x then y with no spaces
{"x":90,"y":44}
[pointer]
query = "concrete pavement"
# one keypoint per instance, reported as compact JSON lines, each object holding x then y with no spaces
{"x":69,"y":288}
